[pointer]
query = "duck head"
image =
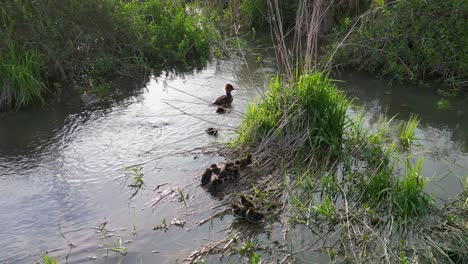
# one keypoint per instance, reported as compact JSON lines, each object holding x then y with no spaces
{"x":228,"y":88}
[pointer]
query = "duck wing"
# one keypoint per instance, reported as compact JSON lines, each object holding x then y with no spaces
{"x":222,"y":100}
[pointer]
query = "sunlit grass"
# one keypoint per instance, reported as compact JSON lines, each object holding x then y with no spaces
{"x":21,"y":73}
{"x":407,"y":133}
{"x":46,"y":259}
{"x":409,"y":198}
{"x":311,"y":109}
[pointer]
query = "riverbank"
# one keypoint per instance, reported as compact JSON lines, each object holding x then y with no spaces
{"x":55,"y":47}
{"x":361,"y":191}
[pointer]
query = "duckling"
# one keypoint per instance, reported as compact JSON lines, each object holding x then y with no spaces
{"x":216,"y":185}
{"x":206,"y":177}
{"x":212,"y":131}
{"x":215,"y":169}
{"x":253,"y":216}
{"x":246,"y":202}
{"x":238,"y":211}
{"x":224,"y":174}
{"x":220,"y":110}
{"x":225,"y":100}
{"x":246,"y":162}
{"x":234,"y":171}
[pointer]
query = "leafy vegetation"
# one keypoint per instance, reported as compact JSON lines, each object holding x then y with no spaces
{"x":336,"y":172}
{"x":55,"y":43}
{"x":46,"y":259}
{"x":409,"y":40}
{"x":311,"y":106}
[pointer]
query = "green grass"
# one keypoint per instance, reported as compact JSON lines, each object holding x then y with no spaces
{"x":409,"y":198}
{"x":46,"y":259}
{"x":92,"y":42}
{"x":21,"y":80}
{"x":407,"y":132}
{"x":443,"y":104}
{"x":311,"y":109}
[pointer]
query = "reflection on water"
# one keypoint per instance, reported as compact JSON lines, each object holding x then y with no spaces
{"x":59,"y":165}
{"x":443,"y":134}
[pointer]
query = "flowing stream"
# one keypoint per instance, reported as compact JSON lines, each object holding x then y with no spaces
{"x":62,"y":168}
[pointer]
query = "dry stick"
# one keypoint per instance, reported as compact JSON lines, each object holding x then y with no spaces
{"x":347,"y":221}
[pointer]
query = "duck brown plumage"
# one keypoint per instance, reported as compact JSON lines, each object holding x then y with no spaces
{"x":215,"y":169}
{"x":225,"y":100}
{"x":234,"y":171}
{"x":246,"y":202}
{"x":206,"y":177}
{"x":238,"y":211}
{"x":216,"y":186}
{"x":212,"y":131}
{"x":253,"y":216}
{"x":246,"y":162}
{"x":224,"y":174}
{"x":221,"y":110}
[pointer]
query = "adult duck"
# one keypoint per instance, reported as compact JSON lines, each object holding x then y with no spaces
{"x":225,"y":100}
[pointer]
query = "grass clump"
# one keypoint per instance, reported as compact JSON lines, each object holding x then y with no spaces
{"x":21,"y":78}
{"x":407,"y":131}
{"x":409,"y":40}
{"x":46,"y":259}
{"x":310,"y":114}
{"x":409,"y":197}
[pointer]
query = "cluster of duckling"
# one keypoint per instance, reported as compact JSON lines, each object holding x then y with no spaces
{"x":245,"y":210}
{"x":214,"y":176}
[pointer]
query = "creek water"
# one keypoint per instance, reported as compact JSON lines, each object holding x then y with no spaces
{"x":62,"y":168}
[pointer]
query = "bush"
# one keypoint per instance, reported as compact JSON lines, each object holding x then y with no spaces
{"x":92,"y":41}
{"x":21,"y":78}
{"x":411,"y":40}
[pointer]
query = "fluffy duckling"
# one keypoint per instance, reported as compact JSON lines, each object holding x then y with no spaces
{"x":212,"y":131}
{"x":246,"y":162}
{"x":253,"y":216}
{"x":226,"y":99}
{"x":224,"y":174}
{"x":220,"y":110}
{"x":206,"y":177}
{"x":215,"y":169}
{"x":216,"y":186}
{"x":234,"y":171}
{"x":246,"y":202}
{"x":238,"y":211}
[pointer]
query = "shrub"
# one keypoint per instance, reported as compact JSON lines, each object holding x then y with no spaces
{"x":86,"y":41}
{"x":411,"y":40}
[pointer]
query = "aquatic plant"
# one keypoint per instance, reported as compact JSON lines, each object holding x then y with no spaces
{"x":407,"y":130}
{"x":408,"y":196}
{"x":443,"y":104}
{"x":135,"y":174}
{"x":46,"y":259}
